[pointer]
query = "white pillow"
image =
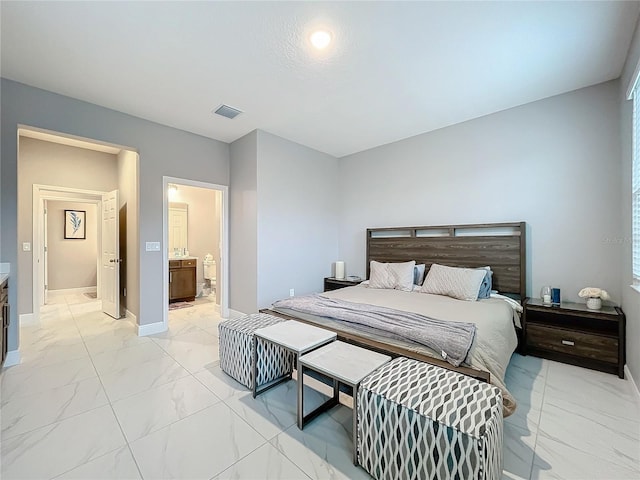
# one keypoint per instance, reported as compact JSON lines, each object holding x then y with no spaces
{"x":460,"y":283}
{"x":398,"y":276}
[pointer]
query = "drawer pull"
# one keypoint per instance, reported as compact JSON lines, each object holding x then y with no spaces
{"x":568,"y":342}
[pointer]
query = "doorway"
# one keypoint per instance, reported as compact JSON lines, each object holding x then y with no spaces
{"x":54,"y":167}
{"x":64,"y":264}
{"x":70,"y":257}
{"x":195,"y":237}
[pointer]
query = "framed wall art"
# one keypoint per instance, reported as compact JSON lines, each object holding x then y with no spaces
{"x":75,"y":225}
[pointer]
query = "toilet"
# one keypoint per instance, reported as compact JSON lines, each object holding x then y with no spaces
{"x":209,"y":268}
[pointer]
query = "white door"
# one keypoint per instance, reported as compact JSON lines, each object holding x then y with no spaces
{"x":110,"y":288}
{"x":40,"y":254}
{"x":46,"y":255}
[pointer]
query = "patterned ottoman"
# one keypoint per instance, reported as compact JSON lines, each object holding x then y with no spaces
{"x":419,"y":421}
{"x":236,"y":337}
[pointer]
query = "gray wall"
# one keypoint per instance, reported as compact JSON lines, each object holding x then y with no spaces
{"x":163,"y":151}
{"x":630,"y":297}
{"x":284,"y":216}
{"x":129,"y":250}
{"x":48,"y":163}
{"x":243,"y":222}
{"x":554,"y":163}
{"x":72,"y":263}
{"x":297,"y":218}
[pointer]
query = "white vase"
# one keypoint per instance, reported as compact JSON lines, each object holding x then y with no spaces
{"x":594,"y":303}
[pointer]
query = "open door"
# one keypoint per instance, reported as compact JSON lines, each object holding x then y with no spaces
{"x":110,"y":288}
{"x":40,"y":256}
{"x":45,"y":255}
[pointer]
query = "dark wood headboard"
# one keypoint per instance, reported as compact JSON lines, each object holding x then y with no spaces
{"x":502,"y":246}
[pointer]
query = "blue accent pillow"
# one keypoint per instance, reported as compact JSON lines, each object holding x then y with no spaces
{"x":418,"y":274}
{"x":485,"y":286}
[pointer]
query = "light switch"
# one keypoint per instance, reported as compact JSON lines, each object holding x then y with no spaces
{"x":26,"y":247}
{"x":153,"y":246}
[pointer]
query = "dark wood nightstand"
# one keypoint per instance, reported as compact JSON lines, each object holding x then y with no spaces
{"x":571,"y":333}
{"x":332,"y":283}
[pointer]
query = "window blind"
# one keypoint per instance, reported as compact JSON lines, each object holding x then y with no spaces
{"x":635,"y":187}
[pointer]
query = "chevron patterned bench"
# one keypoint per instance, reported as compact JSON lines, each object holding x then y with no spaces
{"x":236,"y":352}
{"x":417,"y":421}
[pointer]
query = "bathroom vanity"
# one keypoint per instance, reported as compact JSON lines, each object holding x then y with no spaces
{"x":182,"y":279}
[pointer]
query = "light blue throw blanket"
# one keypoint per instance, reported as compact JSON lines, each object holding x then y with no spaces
{"x":452,"y":340}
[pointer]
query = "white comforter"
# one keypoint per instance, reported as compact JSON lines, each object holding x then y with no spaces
{"x":495,"y":339}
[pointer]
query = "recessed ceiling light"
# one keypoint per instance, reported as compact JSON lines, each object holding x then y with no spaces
{"x":320,"y":39}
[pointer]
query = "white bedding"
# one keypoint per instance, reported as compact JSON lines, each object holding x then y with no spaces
{"x":495,"y":339}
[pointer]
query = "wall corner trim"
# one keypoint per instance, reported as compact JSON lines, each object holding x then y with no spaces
{"x":13,"y":358}
{"x":628,"y":376}
{"x":151,"y":329}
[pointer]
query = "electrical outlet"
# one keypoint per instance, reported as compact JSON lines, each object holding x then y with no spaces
{"x":292,"y":292}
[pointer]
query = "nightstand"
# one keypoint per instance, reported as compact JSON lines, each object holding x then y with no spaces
{"x":332,"y":283}
{"x":571,"y":333}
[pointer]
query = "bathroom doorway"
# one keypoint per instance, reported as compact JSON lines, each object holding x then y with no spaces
{"x":195,"y":252}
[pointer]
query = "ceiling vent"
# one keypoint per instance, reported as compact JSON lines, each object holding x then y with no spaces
{"x":227,"y":111}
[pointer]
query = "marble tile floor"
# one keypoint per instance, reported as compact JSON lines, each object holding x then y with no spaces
{"x":93,"y":400}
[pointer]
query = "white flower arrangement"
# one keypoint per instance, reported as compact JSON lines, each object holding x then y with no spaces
{"x":592,"y":292}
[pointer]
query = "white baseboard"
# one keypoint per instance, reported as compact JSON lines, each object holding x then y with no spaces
{"x":151,"y":329}
{"x":12,"y":358}
{"x":628,"y":376}
{"x":72,"y":291}
{"x":235,"y":313}
{"x":131,"y":318}
{"x":26,"y":319}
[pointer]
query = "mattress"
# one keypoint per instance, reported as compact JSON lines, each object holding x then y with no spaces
{"x":495,"y":339}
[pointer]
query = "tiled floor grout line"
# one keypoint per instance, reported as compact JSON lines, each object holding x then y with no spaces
{"x":270,"y":442}
{"x":187,"y":416}
{"x":193,"y":375}
{"x":602,"y":458}
{"x":66,"y":310}
{"x":535,"y":441}
{"x":55,"y":388}
{"x":193,"y":351}
{"x":81,"y":413}
{"x":267,"y":443}
{"x":56,"y":421}
{"x":110,"y":406}
{"x":224,"y":401}
{"x":78,"y":466}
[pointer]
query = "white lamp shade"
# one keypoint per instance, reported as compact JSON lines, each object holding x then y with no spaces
{"x":340,"y":270}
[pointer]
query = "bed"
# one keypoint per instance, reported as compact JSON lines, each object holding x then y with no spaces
{"x":499,"y":245}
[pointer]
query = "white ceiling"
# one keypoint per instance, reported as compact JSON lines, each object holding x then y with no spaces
{"x":394,"y":70}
